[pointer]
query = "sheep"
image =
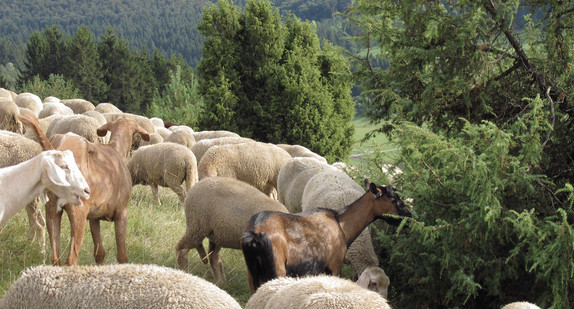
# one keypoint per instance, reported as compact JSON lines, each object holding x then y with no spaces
{"x":301,"y":151}
{"x":334,"y":189}
{"x":164,"y":132}
{"x":520,"y":305}
{"x":82,"y":125}
{"x":219,"y":208}
{"x":212,"y":134}
{"x":182,"y":135}
{"x":312,"y":242}
{"x":107,"y":108}
{"x":375,"y":279}
{"x":9,"y":112}
{"x":114,"y":286}
{"x":51,"y":170}
{"x":199,"y":148}
{"x":166,"y":165}
{"x":309,"y":292}
{"x":157,"y":122}
{"x":108,"y":176}
{"x":5,"y":94}
{"x":292,"y":179}
{"x":154,"y":138}
{"x":54,"y":108}
{"x":51,"y":99}
{"x":29,"y":101}
{"x":79,"y":106}
{"x":255,"y":163}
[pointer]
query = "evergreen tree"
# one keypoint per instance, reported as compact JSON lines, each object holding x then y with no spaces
{"x":55,"y":85}
{"x":45,"y":54}
{"x":270,"y":80}
{"x":83,"y":67}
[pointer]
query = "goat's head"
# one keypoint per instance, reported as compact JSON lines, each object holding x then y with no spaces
{"x":385,"y":196}
{"x":61,"y":176}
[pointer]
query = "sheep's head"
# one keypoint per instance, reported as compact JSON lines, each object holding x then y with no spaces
{"x":62,"y":177}
{"x":385,"y":195}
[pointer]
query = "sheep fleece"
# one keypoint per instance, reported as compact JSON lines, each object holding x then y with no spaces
{"x":114,"y":286}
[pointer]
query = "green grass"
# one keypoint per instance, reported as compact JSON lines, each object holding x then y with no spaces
{"x":379,"y":145}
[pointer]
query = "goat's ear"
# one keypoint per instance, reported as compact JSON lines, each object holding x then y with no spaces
{"x":373,"y":188}
{"x":367,"y":183}
{"x":145,"y":136}
{"x":55,"y":173}
{"x":103,"y":130}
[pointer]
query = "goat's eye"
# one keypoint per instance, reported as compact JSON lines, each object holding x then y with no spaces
{"x":65,"y":168}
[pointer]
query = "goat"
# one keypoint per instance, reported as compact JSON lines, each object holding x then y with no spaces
{"x":50,"y":170}
{"x":313,"y":242}
{"x":105,"y":170}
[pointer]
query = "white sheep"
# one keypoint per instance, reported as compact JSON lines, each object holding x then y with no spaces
{"x":157,"y":122}
{"x":301,"y":151}
{"x":199,"y":148}
{"x":82,"y":125}
{"x":219,"y":208}
{"x":164,"y":132}
{"x":107,"y":108}
{"x":51,"y":99}
{"x":182,"y":135}
{"x":154,"y":138}
{"x":334,"y":189}
{"x":521,"y":305}
{"x":9,"y":112}
{"x":255,"y":163}
{"x":54,"y":108}
{"x":166,"y":165}
{"x":212,"y":134}
{"x":375,"y":279}
{"x":5,"y":93}
{"x":310,"y":292}
{"x":51,"y":170}
{"x":293,"y":177}
{"x":114,"y":286}
{"x":79,"y":106}
{"x":29,"y":101}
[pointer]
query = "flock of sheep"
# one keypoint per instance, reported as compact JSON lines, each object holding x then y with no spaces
{"x":221,"y":179}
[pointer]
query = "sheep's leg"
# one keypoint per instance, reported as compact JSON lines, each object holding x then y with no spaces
{"x":215,"y":263}
{"x":53,"y":225}
{"x":177,"y":188}
{"x":120,"y":224}
{"x":77,"y":216}
{"x":99,"y":251}
{"x":181,"y":249}
{"x":36,"y":223}
{"x":155,"y":191}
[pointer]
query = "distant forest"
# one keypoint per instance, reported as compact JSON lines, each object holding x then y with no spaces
{"x":168,"y":26}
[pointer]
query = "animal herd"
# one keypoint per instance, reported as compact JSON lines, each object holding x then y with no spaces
{"x":295,"y":217}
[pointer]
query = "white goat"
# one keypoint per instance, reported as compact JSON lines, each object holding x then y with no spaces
{"x":51,"y":170}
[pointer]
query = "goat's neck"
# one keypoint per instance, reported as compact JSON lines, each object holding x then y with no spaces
{"x":21,"y":183}
{"x":121,"y":142}
{"x":354,"y":218}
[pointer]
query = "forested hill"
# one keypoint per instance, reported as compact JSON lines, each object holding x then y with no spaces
{"x":168,"y":25}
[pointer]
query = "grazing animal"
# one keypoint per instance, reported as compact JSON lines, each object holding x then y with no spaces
{"x":114,"y":286}
{"x":375,"y":279}
{"x":219,"y":208}
{"x":312,"y":242}
{"x":316,"y":292}
{"x":520,"y":305}
{"x":105,"y":169}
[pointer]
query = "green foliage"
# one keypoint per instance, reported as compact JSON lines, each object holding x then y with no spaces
{"x":271,"y":81}
{"x":179,"y":103}
{"x":55,"y":85}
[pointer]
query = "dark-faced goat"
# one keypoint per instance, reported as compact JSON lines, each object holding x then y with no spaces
{"x":312,"y":242}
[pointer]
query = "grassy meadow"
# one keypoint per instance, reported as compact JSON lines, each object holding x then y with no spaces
{"x":152,"y":233}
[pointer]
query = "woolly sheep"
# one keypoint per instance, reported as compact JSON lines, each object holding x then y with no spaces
{"x":199,"y":148}
{"x":9,"y":112}
{"x":154,"y":138}
{"x":292,"y":180}
{"x":79,"y":106}
{"x":107,"y":108}
{"x":114,"y":286}
{"x":166,"y":165}
{"x":157,"y":122}
{"x":301,"y":151}
{"x":310,"y":292}
{"x":255,"y":163}
{"x":219,"y":208}
{"x":82,"y":125}
{"x":29,"y":101}
{"x":375,"y":279}
{"x":54,"y":108}
{"x":164,"y":132}
{"x":6,"y":94}
{"x":14,"y":149}
{"x":212,"y":134}
{"x":521,"y":305}
{"x":182,"y":135}
{"x":51,"y":99}
{"x":334,"y":189}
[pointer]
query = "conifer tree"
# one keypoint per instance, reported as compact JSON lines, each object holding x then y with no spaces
{"x":45,"y":54}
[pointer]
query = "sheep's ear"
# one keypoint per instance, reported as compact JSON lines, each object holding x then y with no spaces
{"x":55,"y":173}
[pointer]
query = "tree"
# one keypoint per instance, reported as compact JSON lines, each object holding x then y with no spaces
{"x":55,"y":85}
{"x":83,"y":66}
{"x":45,"y":54}
{"x":481,"y":109}
{"x":270,"y":80}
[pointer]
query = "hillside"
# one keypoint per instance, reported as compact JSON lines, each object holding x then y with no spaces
{"x":168,"y":25}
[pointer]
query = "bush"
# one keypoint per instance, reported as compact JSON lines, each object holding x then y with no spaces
{"x":55,"y":86}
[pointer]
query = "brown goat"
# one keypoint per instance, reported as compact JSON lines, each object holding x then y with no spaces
{"x":313,"y":242}
{"x":105,"y":170}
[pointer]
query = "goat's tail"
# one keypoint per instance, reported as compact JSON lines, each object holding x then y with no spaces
{"x":42,"y":138}
{"x":258,"y":252}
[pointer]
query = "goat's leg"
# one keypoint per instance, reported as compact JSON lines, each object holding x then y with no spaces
{"x":53,"y":225}
{"x":99,"y":251}
{"x":215,"y":263}
{"x":155,"y":191}
{"x":120,"y":225}
{"x":77,"y":216}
